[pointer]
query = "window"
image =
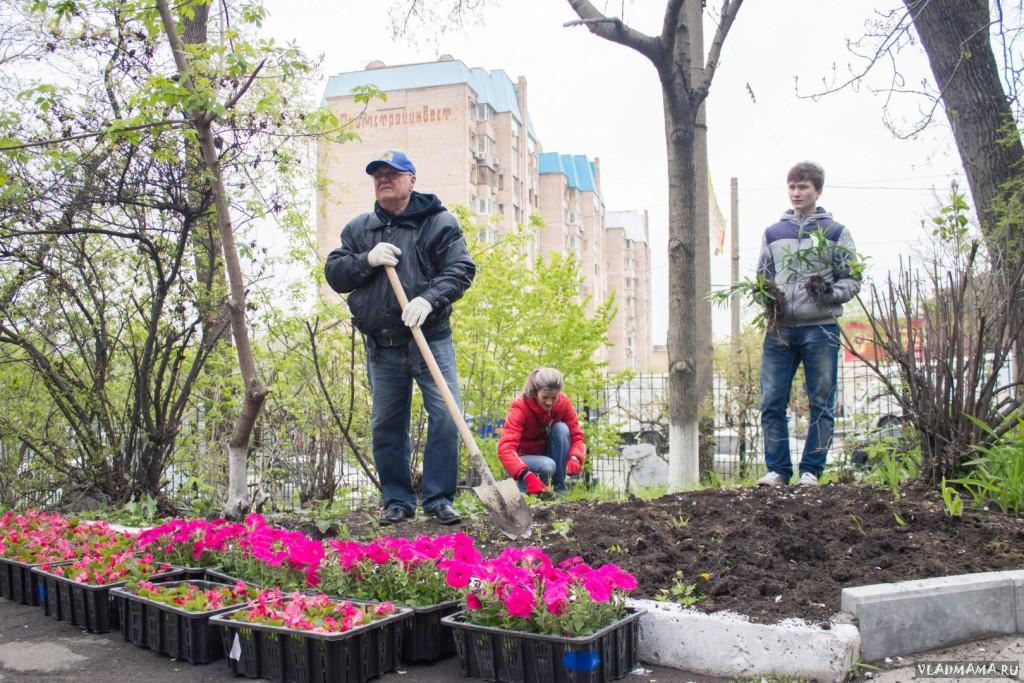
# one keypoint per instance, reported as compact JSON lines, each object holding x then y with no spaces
{"x":572,"y":243}
{"x":629,"y":244}
{"x":485,"y":146}
{"x":630,"y":283}
{"x":487,"y":235}
{"x":484,"y":112}
{"x":629,"y":264}
{"x":485,"y":206}
{"x":515,"y":128}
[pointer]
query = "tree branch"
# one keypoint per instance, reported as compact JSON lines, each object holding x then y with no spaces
{"x":614,"y":30}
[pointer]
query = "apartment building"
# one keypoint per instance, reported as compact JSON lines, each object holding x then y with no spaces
{"x":469,"y":132}
{"x":573,"y":213}
{"x":627,"y":258}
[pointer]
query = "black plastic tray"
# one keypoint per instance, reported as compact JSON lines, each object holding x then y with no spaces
{"x":175,"y":632}
{"x":18,"y":583}
{"x":497,"y":654}
{"x":290,"y":656}
{"x":425,"y":638}
{"x":91,"y":607}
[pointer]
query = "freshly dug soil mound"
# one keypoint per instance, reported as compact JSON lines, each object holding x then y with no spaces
{"x":767,"y":553}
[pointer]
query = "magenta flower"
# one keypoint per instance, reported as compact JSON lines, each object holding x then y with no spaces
{"x":520,"y":602}
{"x":458,"y":573}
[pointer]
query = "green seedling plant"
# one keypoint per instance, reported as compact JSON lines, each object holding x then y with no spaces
{"x":617,"y":549}
{"x":680,"y":592}
{"x":757,"y":290}
{"x":951,"y":500}
{"x":762,"y":292}
{"x":680,"y":522}
{"x":563,"y":527}
{"x":893,"y":467}
{"x":857,"y":523}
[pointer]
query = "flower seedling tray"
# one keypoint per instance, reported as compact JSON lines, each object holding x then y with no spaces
{"x":81,"y":604}
{"x":425,"y":638}
{"x":497,"y":654}
{"x":294,"y":656}
{"x":175,"y":632}
{"x":18,"y":583}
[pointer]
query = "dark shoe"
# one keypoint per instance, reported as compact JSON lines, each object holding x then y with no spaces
{"x":393,"y":515}
{"x":446,"y":514}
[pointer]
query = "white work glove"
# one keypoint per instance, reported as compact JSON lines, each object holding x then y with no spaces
{"x":416,"y":312}
{"x":384,"y":254}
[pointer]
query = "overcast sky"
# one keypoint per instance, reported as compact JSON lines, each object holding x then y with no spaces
{"x":589,"y":96}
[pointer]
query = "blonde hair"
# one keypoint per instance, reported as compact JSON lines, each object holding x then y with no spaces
{"x":542,"y":378}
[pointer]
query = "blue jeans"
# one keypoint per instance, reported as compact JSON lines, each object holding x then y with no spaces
{"x":550,"y":467}
{"x":817,"y":347}
{"x":391,"y":372}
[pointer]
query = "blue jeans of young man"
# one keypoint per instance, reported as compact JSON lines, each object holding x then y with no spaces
{"x":391,"y":372}
{"x":817,"y":347}
{"x":550,"y":467}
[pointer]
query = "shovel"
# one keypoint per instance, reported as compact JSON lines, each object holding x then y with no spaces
{"x":503,"y":500}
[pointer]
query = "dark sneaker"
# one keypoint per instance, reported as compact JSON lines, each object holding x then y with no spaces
{"x":393,"y":515}
{"x":445,"y":514}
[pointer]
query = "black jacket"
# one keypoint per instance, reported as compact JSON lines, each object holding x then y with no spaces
{"x":434,"y":264}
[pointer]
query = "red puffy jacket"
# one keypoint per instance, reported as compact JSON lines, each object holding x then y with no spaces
{"x":526,"y":432}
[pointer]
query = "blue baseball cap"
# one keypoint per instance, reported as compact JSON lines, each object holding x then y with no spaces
{"x":393,"y":158}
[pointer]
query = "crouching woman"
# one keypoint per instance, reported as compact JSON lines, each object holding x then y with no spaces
{"x":542,"y":441}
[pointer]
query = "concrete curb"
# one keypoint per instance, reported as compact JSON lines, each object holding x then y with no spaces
{"x":877,"y":621}
{"x":725,"y":644}
{"x":915,"y":616}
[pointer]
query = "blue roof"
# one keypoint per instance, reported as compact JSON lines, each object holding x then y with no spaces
{"x":577,"y":169}
{"x":492,"y":87}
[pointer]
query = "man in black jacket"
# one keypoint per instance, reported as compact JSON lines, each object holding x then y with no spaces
{"x":423,"y":241}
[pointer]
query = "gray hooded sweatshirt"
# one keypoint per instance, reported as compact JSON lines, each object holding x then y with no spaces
{"x":791,"y":252}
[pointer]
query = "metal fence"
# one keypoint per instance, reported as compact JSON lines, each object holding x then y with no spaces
{"x":637,"y":410}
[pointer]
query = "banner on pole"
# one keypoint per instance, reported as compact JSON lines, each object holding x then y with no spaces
{"x":717,"y":221}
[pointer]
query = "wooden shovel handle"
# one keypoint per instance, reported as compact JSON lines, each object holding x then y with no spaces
{"x":442,"y":385}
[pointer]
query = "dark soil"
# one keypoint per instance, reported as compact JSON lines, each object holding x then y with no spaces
{"x":770,"y":554}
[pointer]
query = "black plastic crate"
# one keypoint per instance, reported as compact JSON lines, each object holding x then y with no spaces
{"x":290,"y":656}
{"x":18,"y":583}
{"x":217,"y":576}
{"x":5,"y":578}
{"x":175,"y":632}
{"x":91,"y":607}
{"x":497,"y":654}
{"x":425,"y":638}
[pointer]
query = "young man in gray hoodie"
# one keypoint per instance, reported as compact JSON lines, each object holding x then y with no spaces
{"x":811,"y":261}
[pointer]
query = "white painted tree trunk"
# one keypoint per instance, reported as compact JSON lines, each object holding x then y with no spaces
{"x":683,"y":460}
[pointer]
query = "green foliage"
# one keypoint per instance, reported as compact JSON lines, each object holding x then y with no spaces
{"x":562,"y":527}
{"x":996,"y":475}
{"x":680,"y":592}
{"x":138,"y":512}
{"x":651,"y":492}
{"x":951,"y":499}
{"x":891,"y":466}
{"x":515,"y":318}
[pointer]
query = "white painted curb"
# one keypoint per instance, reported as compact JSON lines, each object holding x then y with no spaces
{"x":726,"y":644}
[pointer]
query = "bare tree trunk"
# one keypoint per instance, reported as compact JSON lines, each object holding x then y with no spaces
{"x":683,"y":89}
{"x":255,"y":393}
{"x":956,"y":37}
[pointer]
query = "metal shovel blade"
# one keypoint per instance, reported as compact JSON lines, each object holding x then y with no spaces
{"x":506,"y":507}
